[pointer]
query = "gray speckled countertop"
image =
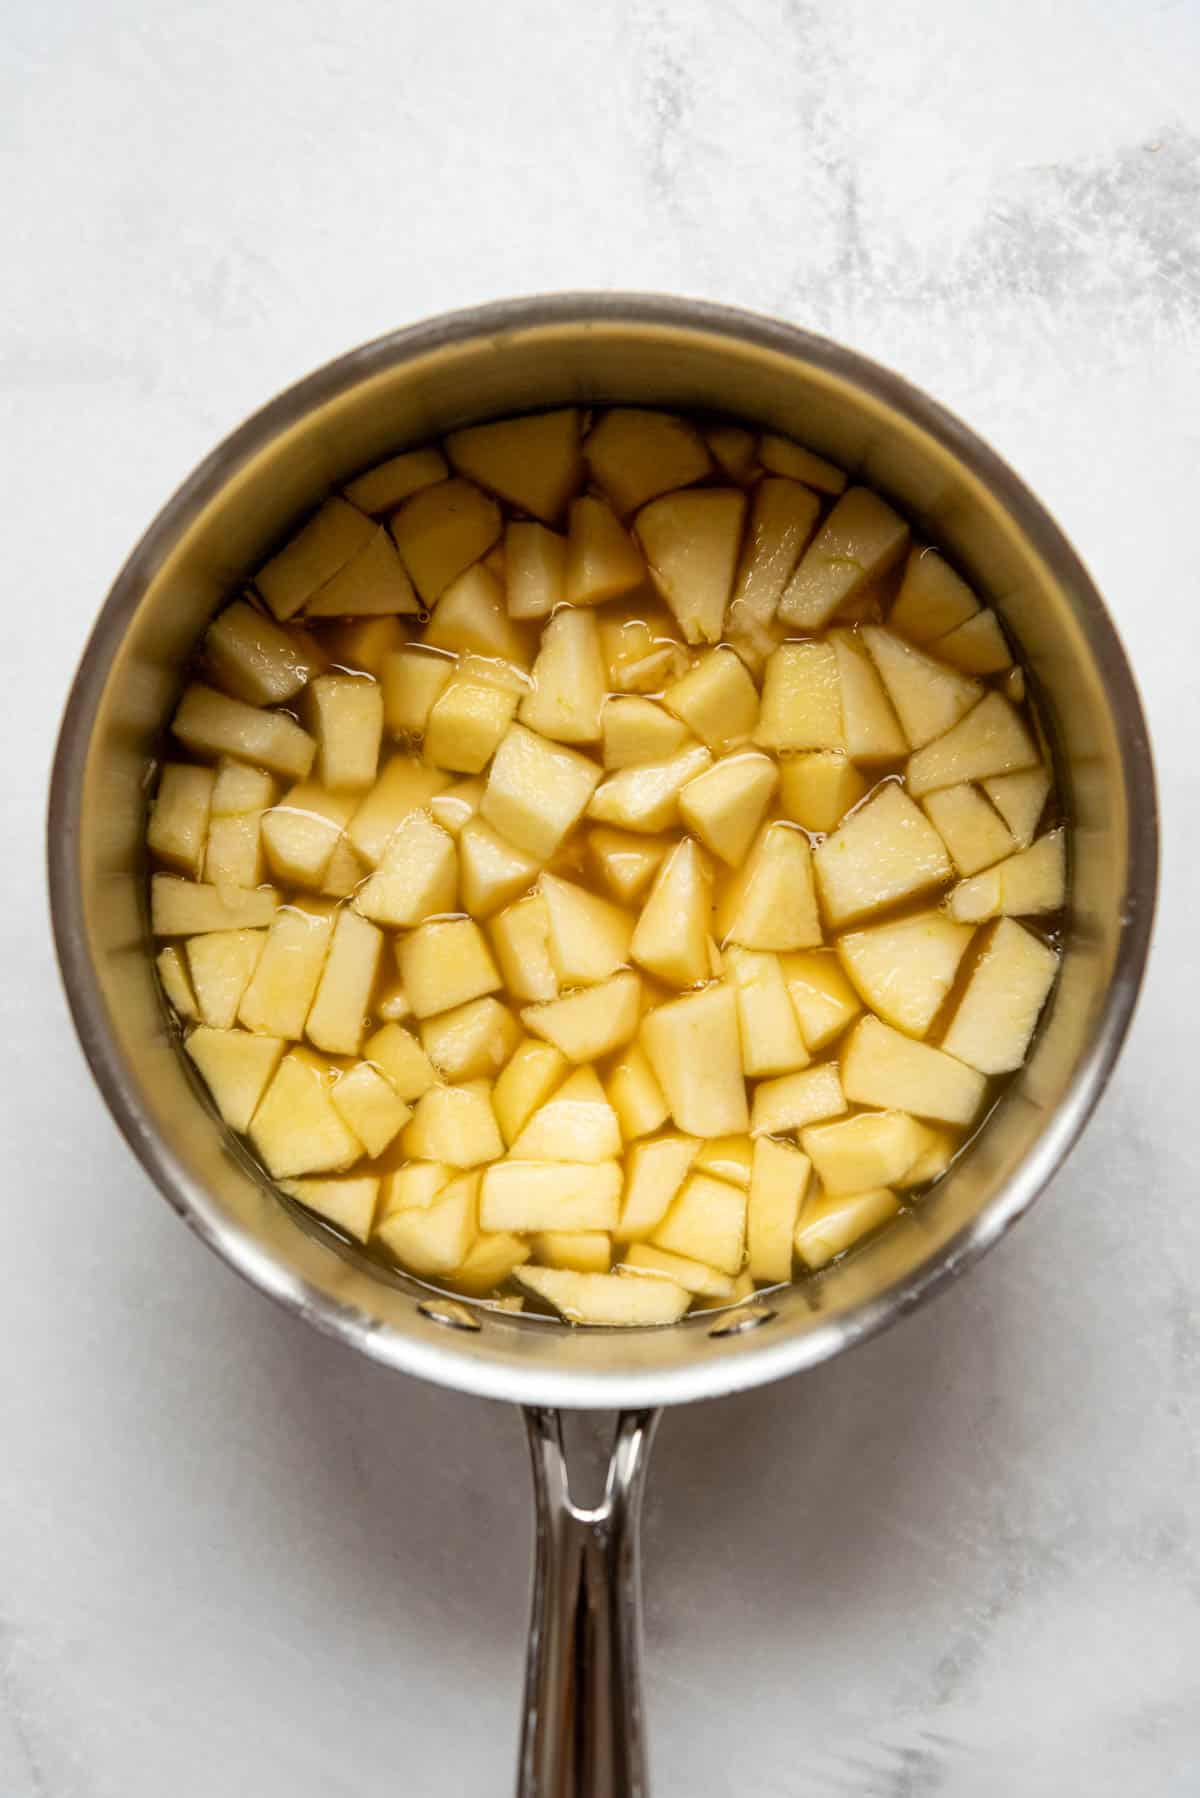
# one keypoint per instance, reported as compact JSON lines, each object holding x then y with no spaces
{"x":233,"y":1558}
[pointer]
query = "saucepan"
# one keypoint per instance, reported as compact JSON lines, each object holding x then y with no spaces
{"x":583,"y":1732}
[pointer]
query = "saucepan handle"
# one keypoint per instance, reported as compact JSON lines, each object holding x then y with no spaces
{"x":582,"y":1735}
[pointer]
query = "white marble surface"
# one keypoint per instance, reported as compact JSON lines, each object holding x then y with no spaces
{"x":964,"y":1560}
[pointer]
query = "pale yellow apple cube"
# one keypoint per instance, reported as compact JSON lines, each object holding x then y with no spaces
{"x":929,"y":696}
{"x":859,"y":1154}
{"x":1032,"y":881}
{"x":655,"y":1172}
{"x":1020,"y":799}
{"x":570,"y":680}
{"x":536,"y":791}
{"x":521,"y":940}
{"x":587,"y":1251}
{"x":338,"y":1018}
{"x":441,"y":530}
{"x":816,"y":790}
{"x":602,"y":559}
{"x":633,"y":1091}
{"x":932,"y":598}
{"x":647,"y":798}
{"x":768,"y":1029}
{"x":905,"y":969}
{"x":312,"y":556}
{"x":257,"y":660}
{"x":348,"y":1203}
{"x":938,"y":1149}
{"x":302,"y":832}
{"x":536,"y":561}
{"x":540,"y":1195}
{"x":626,"y":862}
{"x":977,"y":646}
{"x":438,"y":1238}
{"x":471,"y":1041}
{"x":389,"y":484}
{"x":533,"y":1072}
{"x":992,"y":739}
{"x":445,"y":963}
{"x":692,"y":1044}
{"x":472,"y":619}
{"x":882,"y":853}
{"x":417,"y":877}
{"x":369,"y":1106}
{"x":829,"y":1225}
{"x":612,"y":1299}
{"x":411,"y":680}
{"x":179,"y":817}
{"x":728,"y":1158}
{"x":454,"y":1124}
{"x":972,"y":829}
{"x":346,"y":715}
{"x":240,"y":789}
{"x":994,"y":1020}
{"x":492,"y":1258}
{"x":457,"y":805}
{"x":643,"y":1258}
{"x":735,"y":451}
{"x":405,"y":785}
{"x":770,"y":902}
{"x":882,"y":1067}
{"x":413,"y":1187}
{"x":576,"y":1124}
{"x":589,"y":937}
{"x":281,"y":990}
{"x":860,"y":540}
{"x":400,"y":1056}
{"x":590,"y":1023}
{"x":637,"y":730}
{"x":466,"y":724}
{"x":220,"y":965}
{"x":717,"y":700}
{"x":635,"y":454}
{"x":801,"y":700}
{"x":296,"y":1128}
{"x":237,"y":1069}
{"x":691,"y":543}
{"x":534,"y":462}
{"x":725,"y":806}
{"x":823,"y":999}
{"x":672,"y":934}
{"x":185,"y":907}
{"x":210,"y":723}
{"x":372,"y":583}
{"x":707,"y":1223}
{"x":492,"y":872}
{"x":870,"y":728}
{"x":784,"y":457}
{"x":790,"y":1102}
{"x":176,"y":981}
{"x":778,"y":1184}
{"x":783,"y":516}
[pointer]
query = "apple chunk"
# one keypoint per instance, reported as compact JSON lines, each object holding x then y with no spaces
{"x":794,"y":1100}
{"x":995,"y":1018}
{"x":465,"y":724}
{"x":885,"y":851}
{"x":769,"y":1032}
{"x":691,"y":542}
{"x":576,"y":1124}
{"x":331,"y":538}
{"x":348,"y":1204}
{"x":823,"y":999}
{"x":590,"y":1023}
{"x":569,"y":680}
{"x":534,"y":463}
{"x":417,"y":877}
{"x":441,"y":530}
{"x":536,"y":791}
{"x":655,"y":1171}
{"x":972,"y":830}
{"x":184,"y":907}
{"x":221,"y":965}
{"x":237,"y":1069}
{"x":1034,"y":880}
{"x":692,"y":1044}
{"x":870,"y":730}
{"x":614,"y":1299}
{"x":932,"y":598}
{"x":858,"y":1154}
{"x":533,"y":1072}
{"x":929,"y":697}
{"x":389,"y":484}
{"x":832,"y":1224}
{"x":445,"y":962}
{"x":589,"y":936}
{"x":471,"y":1040}
{"x":817,"y":790}
{"x":783,"y":516}
{"x":492,"y":872}
{"x":1020,"y":800}
{"x":778,"y":1183}
{"x":861,"y":538}
{"x":991,"y":739}
{"x":717,"y":700}
{"x":634,"y":455}
{"x":536,"y":564}
{"x":883,"y":1067}
{"x":643,"y":1258}
{"x":296,"y":1129}
{"x":436,"y":1240}
{"x":904,"y":970}
{"x":602,"y":559}
{"x":369,"y":1106}
{"x":672,"y":934}
{"x":521,"y":940}
{"x":281,"y":989}
{"x":562,"y":1195}
{"x":210,"y":723}
{"x":634,"y":1093}
{"x":647,"y":798}
{"x":726,"y":805}
{"x":637,"y":730}
{"x":770,"y":902}
{"x":707,"y":1223}
{"x":179,"y":819}
{"x":801,"y":702}
{"x":455,"y":1125}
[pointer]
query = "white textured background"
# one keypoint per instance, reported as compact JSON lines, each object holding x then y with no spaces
{"x":233,"y":1559}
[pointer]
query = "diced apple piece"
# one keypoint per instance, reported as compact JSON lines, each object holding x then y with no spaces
{"x":413,"y":1187}
{"x":363,"y":645}
{"x":938,"y":1148}
{"x":536,"y":562}
{"x":445,"y":963}
{"x":220,"y":965}
{"x":861,"y":539}
{"x":792,"y":1101}
{"x":534,"y":1071}
{"x":784,"y":457}
{"x":636,"y":731}
{"x":543,"y":1195}
{"x":576,"y":1124}
{"x":300,"y":834}
{"x":633,"y":1091}
{"x":871,"y":730}
{"x":801,"y":702}
{"x":644,"y":1258}
{"x":990,"y":740}
{"x":589,"y":936}
{"x":411,"y":681}
{"x":655,"y":1172}
{"x":1020,"y":799}
{"x":534,"y":463}
{"x":349,"y":1204}
{"x":241,"y":789}
{"x":904,"y":971}
{"x":591,"y":1023}
{"x":603,"y":561}
{"x":372,"y":583}
{"x":389,"y":484}
{"x":339,"y":1012}
{"x":186,"y":907}
{"x":471,"y":619}
{"x":369,"y":1106}
{"x":1032,"y":881}
{"x":995,"y":1018}
{"x":466,"y":724}
{"x":932,"y":598}
{"x":210,"y":723}
{"x":329,"y":540}
{"x":770,"y":1036}
{"x":569,"y":680}
{"x":830,"y":1225}
{"x":277,"y":999}
{"x":521,"y":940}
{"x":438,"y":1238}
{"x":734,"y":449}
{"x":345,"y":872}
{"x":707,"y":1223}
{"x":236,"y":1068}
{"x":627,"y":863}
{"x":978,"y":646}
{"x":635,"y":455}
{"x":861,"y":1153}
{"x":492,"y":1257}
{"x":454,"y":1124}
{"x":778,"y":1183}
{"x":404,"y":786}
{"x":716,"y":699}
{"x":614,"y":1299}
{"x":783,"y":516}
{"x":823,"y":999}
{"x":253,"y":658}
{"x":441,"y":530}
{"x":398,"y":1053}
{"x":817,"y":790}
{"x":725,"y":805}
{"x":492,"y":871}
{"x":631,"y":634}
{"x":296,"y":1129}
{"x":884,"y":852}
{"x":179,"y":818}
{"x":457,"y":805}
{"x":536,"y":791}
{"x":647,"y":798}
{"x":883,"y":1067}
{"x":346,"y":712}
{"x":770,"y":901}
{"x":728,"y":1158}
{"x":672,"y":934}
{"x":417,"y":878}
{"x":692,"y":1044}
{"x":586,"y":1251}
{"x":929,"y":696}
{"x":233,"y":854}
{"x":691,"y":543}
{"x":471,"y":1041}
{"x":176,"y":982}
{"x":972,"y":830}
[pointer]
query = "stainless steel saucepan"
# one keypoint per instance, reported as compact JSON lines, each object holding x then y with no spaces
{"x":583,"y":1728}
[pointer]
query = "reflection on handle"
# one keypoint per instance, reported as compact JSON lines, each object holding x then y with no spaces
{"x":582,"y":1734}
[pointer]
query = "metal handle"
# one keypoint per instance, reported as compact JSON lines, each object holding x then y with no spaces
{"x":582,"y":1733}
